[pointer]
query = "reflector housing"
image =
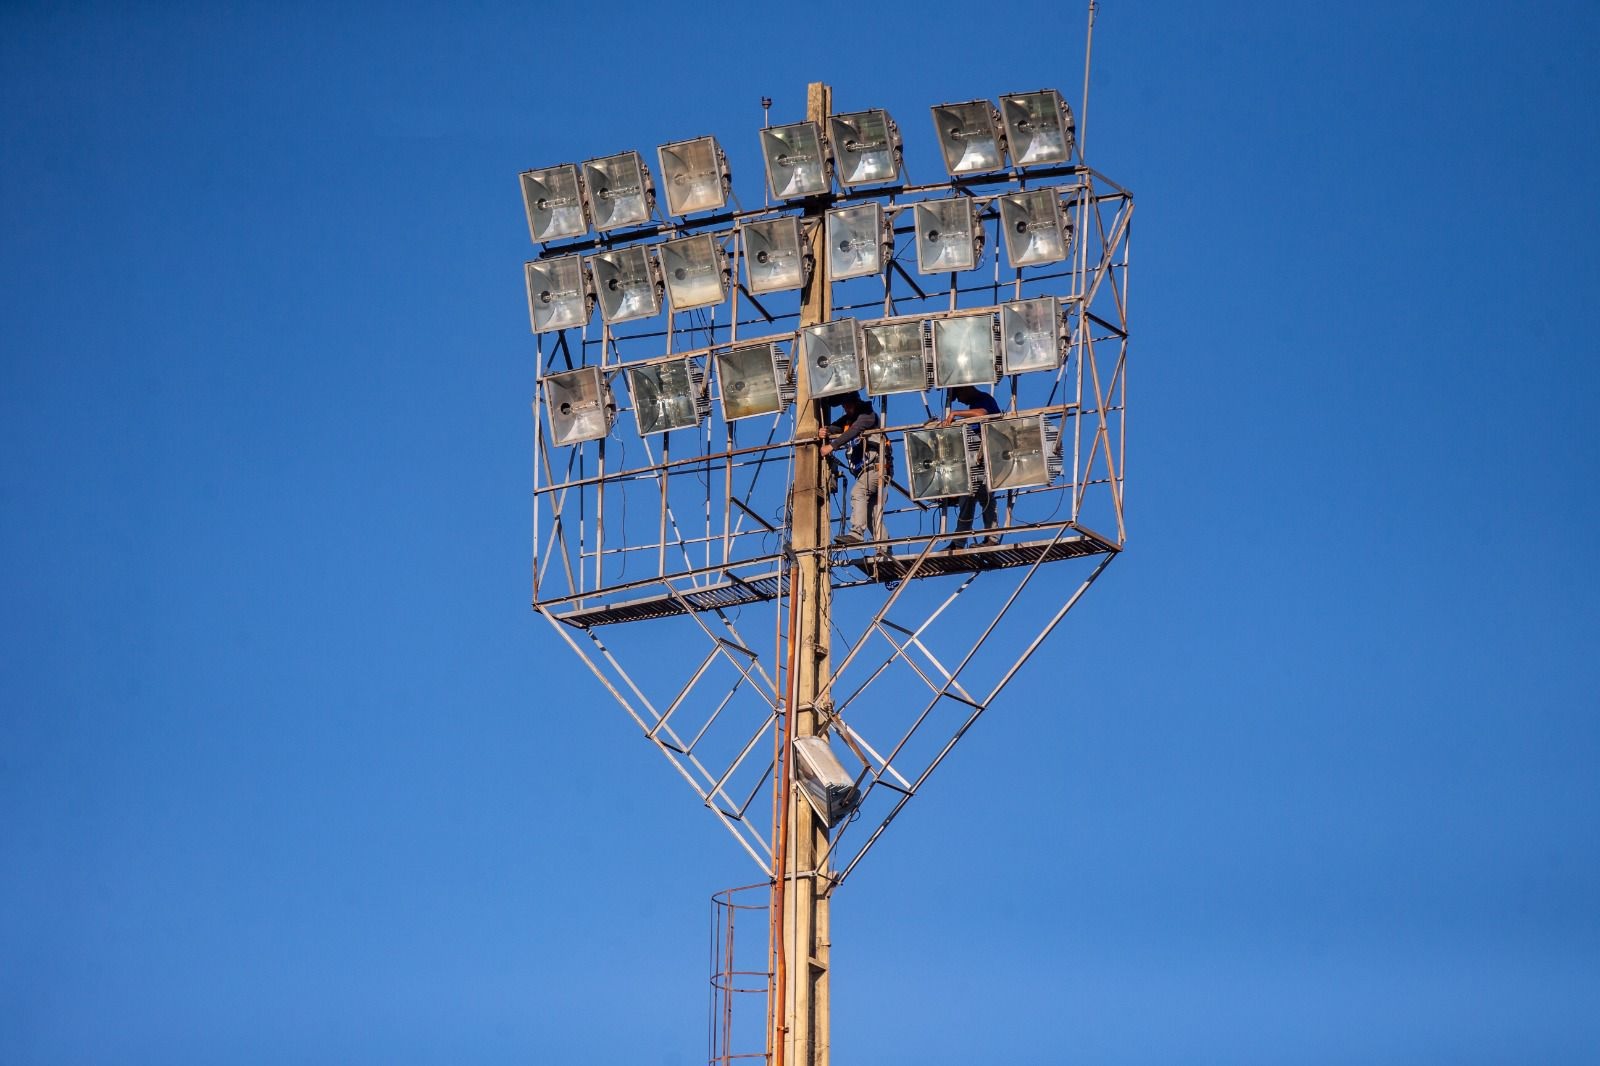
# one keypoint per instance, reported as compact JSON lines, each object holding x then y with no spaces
{"x":796,"y":165}
{"x":831,"y":354}
{"x":554,"y":202}
{"x":1039,"y":128}
{"x":668,"y":394}
{"x":855,"y":241}
{"x":823,"y":781}
{"x":896,"y":358}
{"x":1031,"y":335}
{"x":753,"y":379}
{"x":964,"y":351}
{"x":969,"y":138}
{"x":695,"y":175}
{"x":866,"y":147}
{"x":579,"y":405}
{"x":619,"y":191}
{"x":773,"y":260}
{"x":946,"y":236}
{"x":558,"y":293}
{"x":940,"y":463}
{"x":1019,"y":452}
{"x":1034,"y":227}
{"x":694,"y":270}
{"x":625,"y":283}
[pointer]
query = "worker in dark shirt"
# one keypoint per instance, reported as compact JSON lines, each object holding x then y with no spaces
{"x":870,"y":459}
{"x":975,"y":404}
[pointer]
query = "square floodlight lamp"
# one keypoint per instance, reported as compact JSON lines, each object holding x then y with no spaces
{"x":695,"y":174}
{"x":1034,"y":227}
{"x":1039,"y":128}
{"x":625,"y":282}
{"x":855,"y":241}
{"x":693,"y":270}
{"x":773,"y":260}
{"x":831,"y":353}
{"x":896,"y":361}
{"x":558,"y":298}
{"x":796,"y":165}
{"x":866,"y":147}
{"x":666,"y":395}
{"x":830,"y":790}
{"x":754,"y":380}
{"x":619,"y":191}
{"x":554,"y":203}
{"x":940,"y":465}
{"x":1016,"y":453}
{"x":964,"y":351}
{"x":579,"y":405}
{"x":1031,"y":334}
{"x":968,"y":137}
{"x":947,"y":237}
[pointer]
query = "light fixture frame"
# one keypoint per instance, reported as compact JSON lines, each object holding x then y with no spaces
{"x":717,"y":267}
{"x":917,"y":327}
{"x":853,"y":379}
{"x":1019,"y":219}
{"x":1013,"y":115}
{"x":986,"y":117}
{"x":683,"y":202}
{"x":983,"y":371}
{"x":800,"y":251}
{"x":994,"y":439}
{"x":794,"y":137}
{"x":602,"y":263}
{"x":782,"y":370}
{"x":931,"y":227}
{"x":1013,"y":359}
{"x":942,"y":441}
{"x":547,"y":268}
{"x":596,"y":191}
{"x":602,"y":392}
{"x":529,"y":179}
{"x":653,"y":371}
{"x":839,"y":217}
{"x":847,"y":159}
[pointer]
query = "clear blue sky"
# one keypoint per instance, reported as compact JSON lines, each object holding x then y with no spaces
{"x":290,"y":773}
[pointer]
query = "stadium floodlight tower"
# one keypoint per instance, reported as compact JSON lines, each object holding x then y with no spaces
{"x":689,"y":349}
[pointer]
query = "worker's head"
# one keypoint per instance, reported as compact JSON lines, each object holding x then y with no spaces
{"x":852,"y":402}
{"x":965,"y":394}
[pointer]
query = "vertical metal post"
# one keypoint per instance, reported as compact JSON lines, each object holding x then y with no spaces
{"x":802,"y":1039}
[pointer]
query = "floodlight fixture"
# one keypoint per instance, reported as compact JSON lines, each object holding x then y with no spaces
{"x":554,"y":201}
{"x":943,"y":462}
{"x":1039,"y":128}
{"x":754,"y":379}
{"x":969,"y":137}
{"x":619,"y":191}
{"x":1021,"y":452}
{"x":558,"y":293}
{"x":855,"y":237}
{"x":668,"y":394}
{"x":964,"y":351}
{"x":948,"y":237}
{"x":695,"y":175}
{"x":831,"y":353}
{"x":797,"y":164}
{"x":866,"y":147}
{"x":774,"y":260}
{"x":1036,"y":230}
{"x":695,"y":271}
{"x":1032,"y":335}
{"x":579,"y":404}
{"x":626,"y":282}
{"x":830,"y":790}
{"x":896,"y":357}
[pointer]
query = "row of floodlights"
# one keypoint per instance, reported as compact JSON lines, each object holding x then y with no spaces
{"x":616,"y":190}
{"x":1002,"y":453}
{"x":838,"y":358}
{"x":629,"y":283}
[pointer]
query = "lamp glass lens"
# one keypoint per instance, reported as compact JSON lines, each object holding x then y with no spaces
{"x":963,"y":351}
{"x":894,"y":357}
{"x":864,"y":148}
{"x":663,"y":396}
{"x":855,"y":237}
{"x":772,"y":260}
{"x":554,"y":204}
{"x":795,"y":166}
{"x":576,"y":402}
{"x":967,"y":137}
{"x":832,"y":357}
{"x":938,"y":459}
{"x":692,"y":172}
{"x":555,"y":294}
{"x":1014,"y":453}
{"x":1035,"y":131}
{"x":616,"y":188}
{"x":749,"y":381}
{"x":945,"y":236}
{"x":625,"y":284}
{"x":1030,"y":333}
{"x":692,"y":268}
{"x":1031,"y":222}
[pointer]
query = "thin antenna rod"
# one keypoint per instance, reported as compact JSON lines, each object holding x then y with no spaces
{"x":1088,"y":48}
